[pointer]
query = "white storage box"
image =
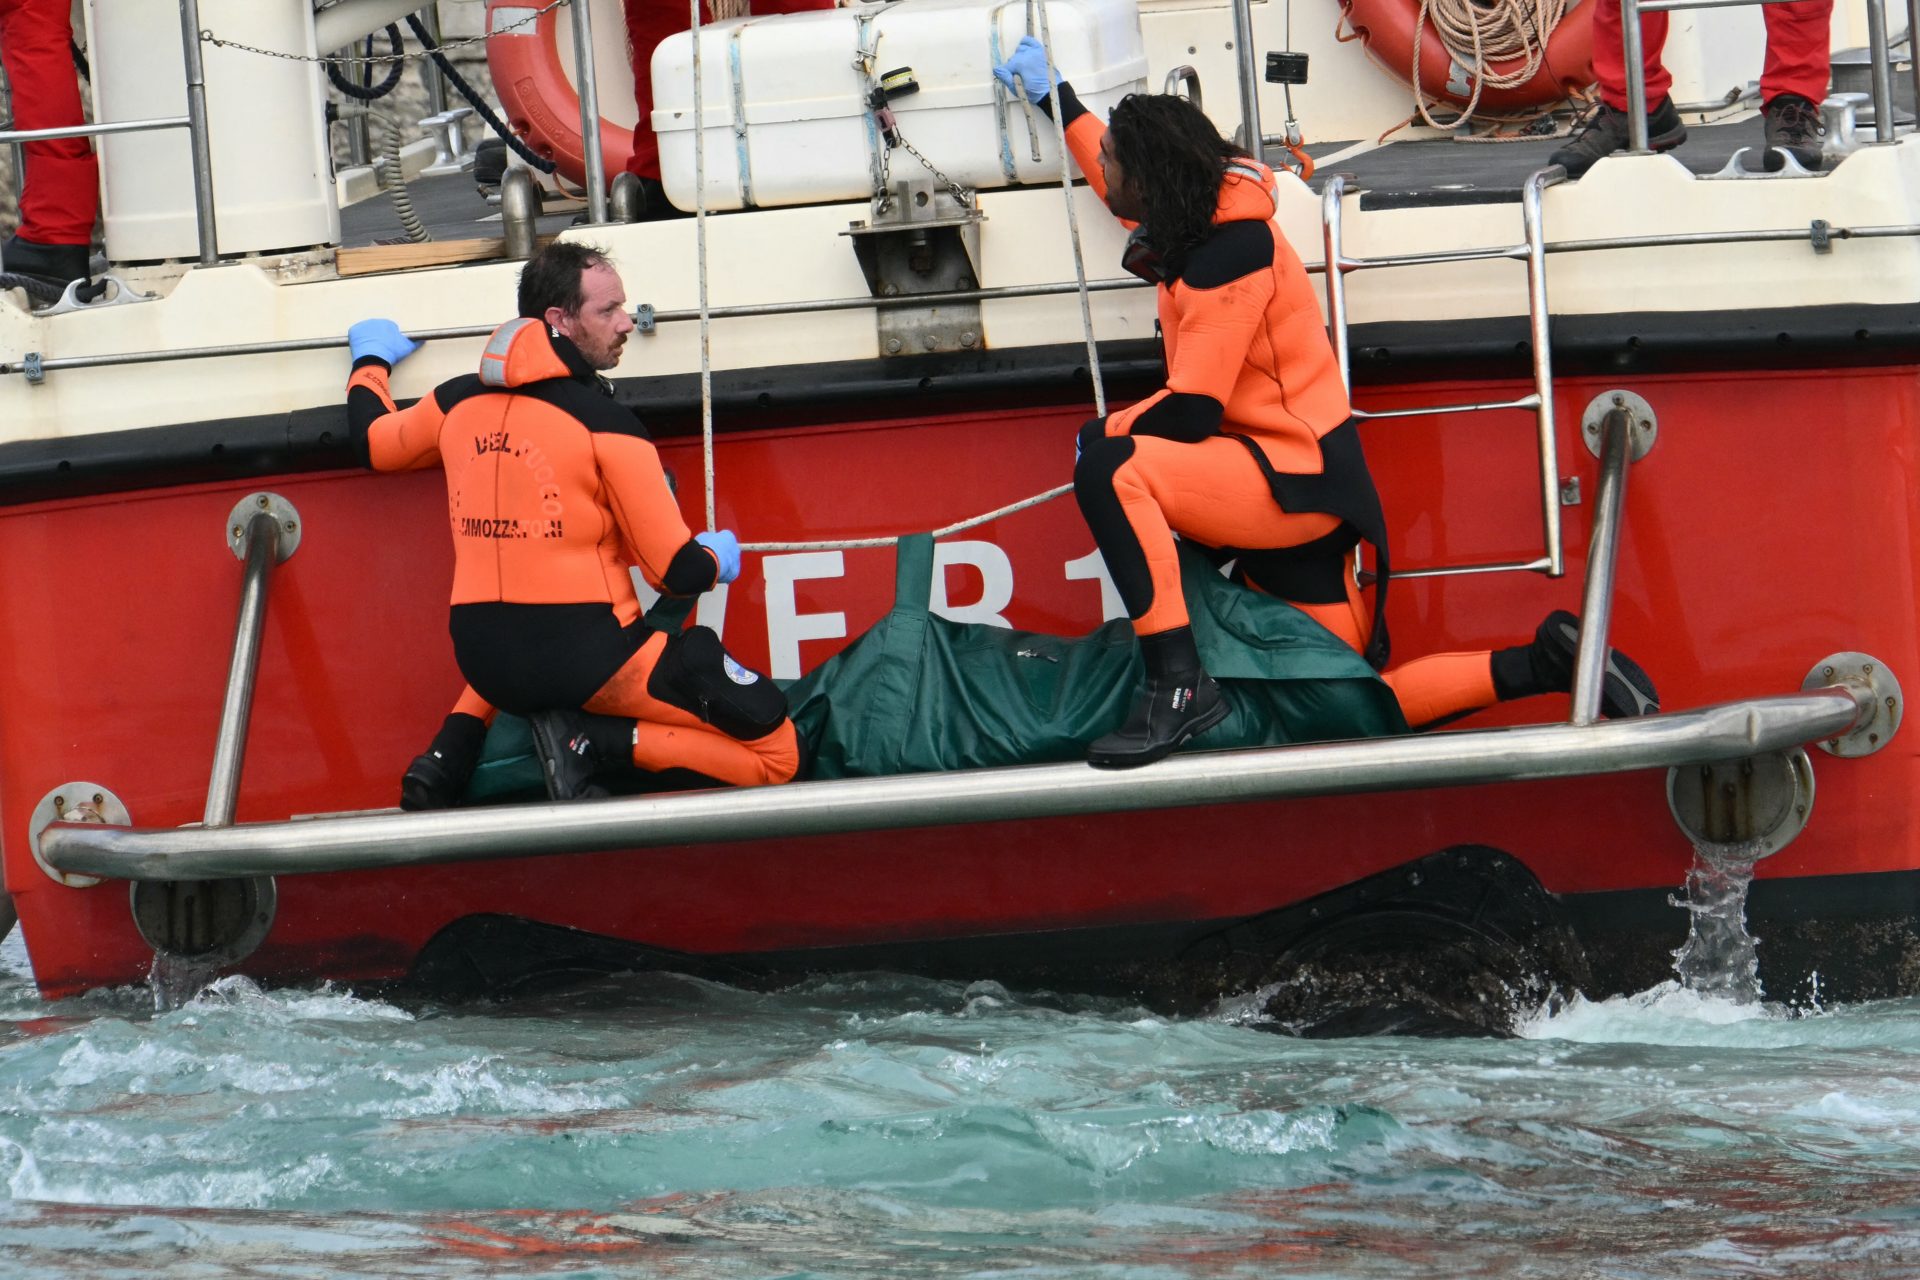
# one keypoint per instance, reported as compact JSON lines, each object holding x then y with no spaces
{"x":786,"y":119}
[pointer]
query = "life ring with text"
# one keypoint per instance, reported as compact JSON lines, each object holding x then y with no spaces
{"x":537,"y":95}
{"x":1386,"y":27}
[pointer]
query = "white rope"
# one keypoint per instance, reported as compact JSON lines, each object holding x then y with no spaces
{"x":1477,"y":34}
{"x":1073,"y":222}
{"x":700,"y":238}
{"x":850,"y":544}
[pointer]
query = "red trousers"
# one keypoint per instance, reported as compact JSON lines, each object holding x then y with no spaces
{"x":62,"y":192}
{"x":648,"y":23}
{"x":1797,"y":52}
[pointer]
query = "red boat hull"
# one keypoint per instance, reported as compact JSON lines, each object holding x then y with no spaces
{"x":1772,"y":525}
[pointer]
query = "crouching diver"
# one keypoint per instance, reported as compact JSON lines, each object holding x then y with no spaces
{"x":555,"y":494}
{"x":1251,"y":446}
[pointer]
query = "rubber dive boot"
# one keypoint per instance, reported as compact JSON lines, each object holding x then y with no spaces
{"x":574,"y":746}
{"x":1546,"y":666}
{"x":1180,"y":702}
{"x":438,"y":776}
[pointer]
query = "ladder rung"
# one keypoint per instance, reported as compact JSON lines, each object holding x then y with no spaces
{"x":1541,"y":565}
{"x":1434,"y":257}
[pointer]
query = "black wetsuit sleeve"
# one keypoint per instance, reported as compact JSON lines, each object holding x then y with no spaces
{"x":1185,"y":416}
{"x":1070,"y":104}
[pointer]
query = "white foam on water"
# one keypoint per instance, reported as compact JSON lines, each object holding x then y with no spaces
{"x":1670,"y":1014}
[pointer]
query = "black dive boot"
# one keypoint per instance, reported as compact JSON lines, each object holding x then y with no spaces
{"x":574,"y":746}
{"x":1179,"y":703}
{"x":55,"y":265}
{"x":1546,"y":666}
{"x":438,"y":777}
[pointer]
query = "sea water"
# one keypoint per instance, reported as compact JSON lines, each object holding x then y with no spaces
{"x":889,"y":1126}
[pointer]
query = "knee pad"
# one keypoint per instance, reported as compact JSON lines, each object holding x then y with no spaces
{"x":696,"y":674}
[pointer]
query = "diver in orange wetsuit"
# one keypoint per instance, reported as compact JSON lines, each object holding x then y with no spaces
{"x":555,"y":494}
{"x":1251,"y":446}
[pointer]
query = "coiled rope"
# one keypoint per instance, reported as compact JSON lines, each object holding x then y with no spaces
{"x":1479,"y":33}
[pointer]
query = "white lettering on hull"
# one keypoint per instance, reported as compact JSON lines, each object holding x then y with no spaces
{"x":996,"y":582}
{"x":786,"y":625}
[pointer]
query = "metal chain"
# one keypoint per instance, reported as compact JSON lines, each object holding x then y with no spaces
{"x":207,"y":37}
{"x":960,"y":193}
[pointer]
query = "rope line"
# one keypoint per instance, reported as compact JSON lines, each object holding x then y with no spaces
{"x":700,"y":236}
{"x":1476,"y":34}
{"x":1073,"y":222}
{"x":852,"y":544}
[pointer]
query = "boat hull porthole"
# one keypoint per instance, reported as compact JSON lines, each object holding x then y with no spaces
{"x":218,"y":922}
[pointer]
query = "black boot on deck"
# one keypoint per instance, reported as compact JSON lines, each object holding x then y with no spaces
{"x":574,"y":746}
{"x":54,"y":265}
{"x":1546,"y":666}
{"x":438,"y":777}
{"x":1180,"y":702}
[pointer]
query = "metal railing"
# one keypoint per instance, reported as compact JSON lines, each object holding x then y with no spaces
{"x":1632,"y":49}
{"x":1532,"y":251}
{"x":194,"y":122}
{"x":1702,"y":735}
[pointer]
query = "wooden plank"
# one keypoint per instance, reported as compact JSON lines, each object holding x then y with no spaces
{"x":367,"y":259}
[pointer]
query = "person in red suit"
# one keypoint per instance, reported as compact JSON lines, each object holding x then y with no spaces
{"x":648,"y":23}
{"x":61,"y":194}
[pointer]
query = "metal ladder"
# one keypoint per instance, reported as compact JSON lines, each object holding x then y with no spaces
{"x":1533,"y":251}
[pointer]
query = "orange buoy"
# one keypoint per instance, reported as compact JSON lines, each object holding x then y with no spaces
{"x":538,"y":97}
{"x":1386,"y":29}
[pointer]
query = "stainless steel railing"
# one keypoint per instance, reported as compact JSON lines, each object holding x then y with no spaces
{"x":1531,"y":250}
{"x":1633,"y":51}
{"x":1531,"y":753}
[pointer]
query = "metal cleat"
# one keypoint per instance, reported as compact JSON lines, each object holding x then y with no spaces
{"x":1841,"y":113}
{"x":449,"y":142}
{"x":1736,"y":168}
{"x":105,"y":290}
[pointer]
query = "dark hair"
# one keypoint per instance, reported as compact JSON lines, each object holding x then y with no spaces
{"x":551,"y":277}
{"x":1174,"y":159}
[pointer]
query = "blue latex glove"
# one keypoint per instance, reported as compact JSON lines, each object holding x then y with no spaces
{"x":1029,"y":62}
{"x":726,"y":549}
{"x":380,"y":338}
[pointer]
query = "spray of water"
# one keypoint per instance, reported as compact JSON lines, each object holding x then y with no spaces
{"x":174,"y":980}
{"x":1718,"y":957}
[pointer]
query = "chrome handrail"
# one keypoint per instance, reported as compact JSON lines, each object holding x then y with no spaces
{"x":1632,"y":50}
{"x":1532,"y":250}
{"x":389,"y":839}
{"x":1001,"y":293}
{"x":1603,"y":551}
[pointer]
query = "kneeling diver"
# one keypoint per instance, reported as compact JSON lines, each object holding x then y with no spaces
{"x":1251,"y":446}
{"x":555,"y":494}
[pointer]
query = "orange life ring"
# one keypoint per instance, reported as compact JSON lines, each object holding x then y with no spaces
{"x":1385,"y":27}
{"x":541,"y":105}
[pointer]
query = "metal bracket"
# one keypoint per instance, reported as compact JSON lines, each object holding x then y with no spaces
{"x":643,"y":319}
{"x":73,"y":802}
{"x":1864,"y":674}
{"x":272,"y":504}
{"x":1641,"y":434}
{"x":925,"y":242}
{"x":31,"y":367}
{"x":1820,"y":234}
{"x":106,"y":290}
{"x":1760,"y":802}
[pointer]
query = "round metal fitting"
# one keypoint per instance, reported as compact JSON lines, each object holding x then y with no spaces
{"x":73,"y":802}
{"x":217,"y":922}
{"x":1761,"y":802}
{"x":1642,"y":427}
{"x":270,"y":504}
{"x":1864,"y":674}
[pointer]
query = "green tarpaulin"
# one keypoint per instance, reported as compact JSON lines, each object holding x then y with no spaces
{"x":918,"y":692}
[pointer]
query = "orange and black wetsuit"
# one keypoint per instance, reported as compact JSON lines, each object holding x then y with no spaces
{"x":1251,"y":446}
{"x":554,"y":492}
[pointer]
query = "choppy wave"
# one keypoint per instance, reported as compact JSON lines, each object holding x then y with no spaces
{"x":877,"y":1125}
